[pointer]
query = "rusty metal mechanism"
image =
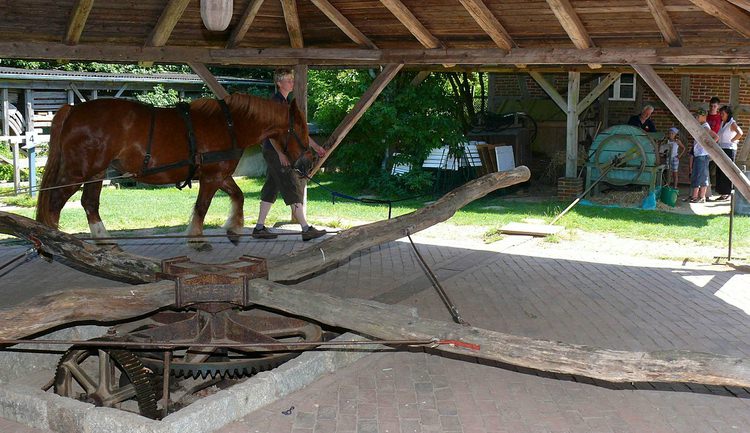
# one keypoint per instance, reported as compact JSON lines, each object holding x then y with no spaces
{"x":214,"y":314}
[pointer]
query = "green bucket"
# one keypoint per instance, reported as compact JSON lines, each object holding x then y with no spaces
{"x":669,"y":196}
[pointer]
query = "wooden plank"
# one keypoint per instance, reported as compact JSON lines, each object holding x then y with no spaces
{"x":202,"y":71}
{"x":664,"y":22}
{"x":344,"y":24}
{"x":550,"y":90}
{"x":687,"y":120}
{"x":734,"y":17}
{"x":598,"y":90}
{"x":744,"y":4}
{"x":571,"y":23}
{"x":571,"y":142}
{"x":240,"y":30}
{"x":167,"y":22}
{"x":487,"y":21}
{"x":377,"y":86}
{"x":403,"y":14}
{"x":77,"y":21}
{"x":293,"y":26}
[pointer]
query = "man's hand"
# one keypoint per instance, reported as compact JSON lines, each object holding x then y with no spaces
{"x":319,"y":150}
{"x":283,"y":160}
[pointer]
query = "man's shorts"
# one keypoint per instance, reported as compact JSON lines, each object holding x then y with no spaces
{"x":280,"y":180}
{"x":699,"y":176}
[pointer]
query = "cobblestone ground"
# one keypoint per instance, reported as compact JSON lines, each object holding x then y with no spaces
{"x":513,"y":286}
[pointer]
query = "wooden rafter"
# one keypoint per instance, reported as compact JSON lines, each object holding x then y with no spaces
{"x":550,"y":90}
{"x":734,"y":17}
{"x":400,"y":11}
{"x":77,"y":21}
{"x":240,"y":30}
{"x":571,"y":23}
{"x":344,"y":24}
{"x":598,"y":90}
{"x":209,"y":79}
{"x":377,"y":86}
{"x":744,"y":4}
{"x":293,"y":26}
{"x":167,"y":21}
{"x":664,"y":22}
{"x":487,"y":21}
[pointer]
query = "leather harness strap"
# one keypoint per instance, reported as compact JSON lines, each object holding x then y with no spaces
{"x":194,"y":159}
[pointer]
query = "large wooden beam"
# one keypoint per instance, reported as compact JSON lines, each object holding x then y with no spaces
{"x":344,"y":24}
{"x":687,"y":120}
{"x":664,"y":22}
{"x":377,"y":86}
{"x":744,"y":4}
{"x":240,"y":30}
{"x":571,"y":141}
{"x":77,"y":21}
{"x":383,"y":321}
{"x":727,"y":57}
{"x":734,"y":17}
{"x":598,"y":90}
{"x":88,"y":258}
{"x":550,"y":90}
{"x":571,"y":23}
{"x":487,"y":21}
{"x":303,"y":263}
{"x":209,"y":79}
{"x":167,"y":21}
{"x":400,"y":11}
{"x":293,"y":26}
{"x":300,"y":87}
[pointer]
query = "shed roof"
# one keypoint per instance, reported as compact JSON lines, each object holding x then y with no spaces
{"x":364,"y":32}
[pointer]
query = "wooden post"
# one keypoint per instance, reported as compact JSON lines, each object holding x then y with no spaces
{"x":696,"y":130}
{"x":571,"y":146}
{"x":300,"y":97}
{"x":377,"y":86}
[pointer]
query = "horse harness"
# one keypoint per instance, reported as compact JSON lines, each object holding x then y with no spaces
{"x":194,"y":159}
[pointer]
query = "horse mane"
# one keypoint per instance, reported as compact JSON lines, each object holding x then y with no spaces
{"x":253,"y":107}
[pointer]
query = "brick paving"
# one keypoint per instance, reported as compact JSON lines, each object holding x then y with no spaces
{"x":628,"y":304}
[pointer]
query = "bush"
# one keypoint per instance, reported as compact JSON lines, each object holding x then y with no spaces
{"x":416,"y":181}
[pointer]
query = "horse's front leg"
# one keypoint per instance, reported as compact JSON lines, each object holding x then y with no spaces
{"x":206,"y":193}
{"x":235,"y":220}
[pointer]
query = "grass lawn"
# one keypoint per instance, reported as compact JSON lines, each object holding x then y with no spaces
{"x":167,"y":209}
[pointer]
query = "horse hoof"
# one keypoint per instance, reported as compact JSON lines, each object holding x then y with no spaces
{"x":200,"y":246}
{"x":234,"y":238}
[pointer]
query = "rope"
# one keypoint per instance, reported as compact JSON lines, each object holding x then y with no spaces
{"x":35,"y":189}
{"x":30,"y":254}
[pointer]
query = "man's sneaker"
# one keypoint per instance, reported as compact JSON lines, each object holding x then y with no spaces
{"x":264,"y":233}
{"x":312,"y":233}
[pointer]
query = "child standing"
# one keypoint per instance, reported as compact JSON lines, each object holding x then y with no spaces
{"x":673,"y":150}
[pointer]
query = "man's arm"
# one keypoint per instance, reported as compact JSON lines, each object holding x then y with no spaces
{"x":282,"y":156}
{"x":318,"y":149}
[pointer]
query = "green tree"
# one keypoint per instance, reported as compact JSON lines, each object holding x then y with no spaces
{"x":401,"y":126}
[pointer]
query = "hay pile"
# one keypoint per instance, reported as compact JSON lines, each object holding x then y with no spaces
{"x":622,"y":198}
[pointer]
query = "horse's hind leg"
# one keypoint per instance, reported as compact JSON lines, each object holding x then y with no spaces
{"x":90,"y":202}
{"x":206,"y":193}
{"x":235,"y":220}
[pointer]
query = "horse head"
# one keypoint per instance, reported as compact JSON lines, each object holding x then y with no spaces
{"x":297,"y":141}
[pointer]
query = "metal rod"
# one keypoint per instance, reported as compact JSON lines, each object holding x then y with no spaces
{"x":165,"y":384}
{"x":436,"y":284}
{"x":731,"y":223}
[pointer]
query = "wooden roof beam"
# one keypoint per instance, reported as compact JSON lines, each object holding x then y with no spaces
{"x":240,"y":30}
{"x":731,"y":15}
{"x":573,"y":26}
{"x":77,"y":21}
{"x":293,"y":26}
{"x":344,"y":24}
{"x":412,"y":23}
{"x":487,"y":21}
{"x":667,"y":29}
{"x":167,"y":21}
{"x":744,"y":4}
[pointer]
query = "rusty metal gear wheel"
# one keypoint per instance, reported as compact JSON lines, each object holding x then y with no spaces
{"x":107,"y":378}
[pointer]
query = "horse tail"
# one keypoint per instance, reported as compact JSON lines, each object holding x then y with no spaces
{"x":52,"y":169}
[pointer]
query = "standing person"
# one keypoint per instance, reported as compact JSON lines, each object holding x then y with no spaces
{"x":280,"y":178}
{"x":673,"y":152}
{"x":699,"y":171}
{"x":713,"y":117}
{"x":643,"y":120}
{"x":729,"y":137}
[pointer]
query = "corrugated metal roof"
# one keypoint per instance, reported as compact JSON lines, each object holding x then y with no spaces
{"x":57,"y":75}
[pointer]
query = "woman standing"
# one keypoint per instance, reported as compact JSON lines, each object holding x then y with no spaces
{"x":729,"y":136}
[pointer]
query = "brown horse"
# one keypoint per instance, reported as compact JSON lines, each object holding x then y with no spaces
{"x":163,"y":146}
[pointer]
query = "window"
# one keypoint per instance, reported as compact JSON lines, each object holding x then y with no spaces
{"x":623,"y":89}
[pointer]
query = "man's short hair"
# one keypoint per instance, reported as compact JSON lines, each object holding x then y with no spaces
{"x":280,"y":73}
{"x":647,"y":108}
{"x":715,"y":100}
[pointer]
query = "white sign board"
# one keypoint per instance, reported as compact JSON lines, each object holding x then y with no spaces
{"x":505,"y":159}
